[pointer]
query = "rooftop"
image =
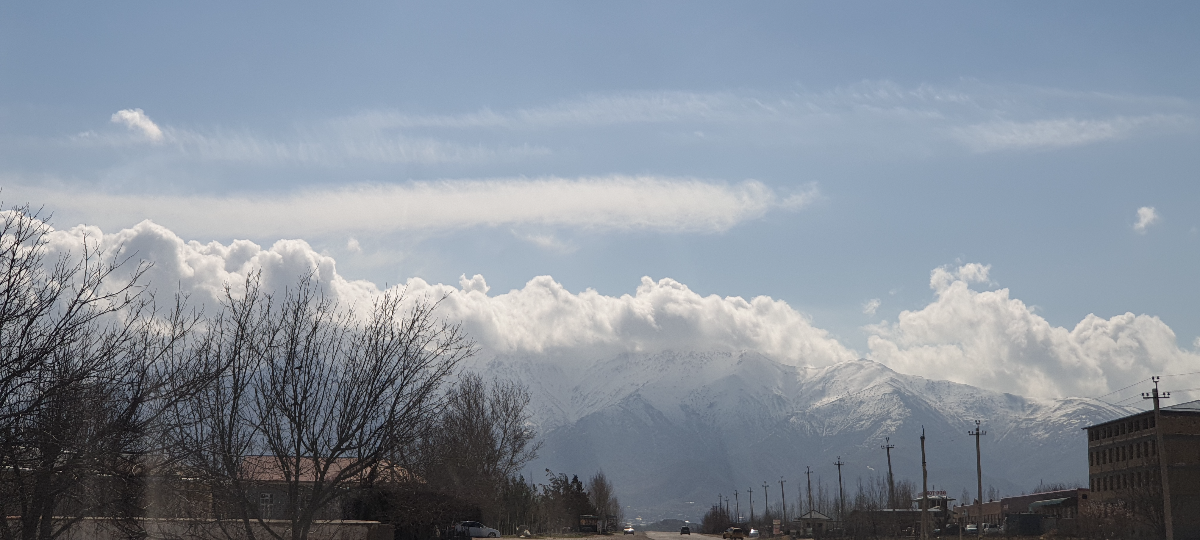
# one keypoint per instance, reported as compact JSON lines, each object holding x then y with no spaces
{"x":1190,"y":406}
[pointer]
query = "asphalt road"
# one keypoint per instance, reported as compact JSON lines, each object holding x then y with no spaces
{"x":655,"y":535}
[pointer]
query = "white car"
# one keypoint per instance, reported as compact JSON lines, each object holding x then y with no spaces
{"x":629,"y":529}
{"x":475,"y":529}
{"x":753,"y":533}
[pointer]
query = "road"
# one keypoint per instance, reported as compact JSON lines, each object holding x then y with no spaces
{"x":655,"y":535}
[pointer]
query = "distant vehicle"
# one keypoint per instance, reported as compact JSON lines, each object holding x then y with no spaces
{"x":734,"y":532}
{"x":993,"y":530}
{"x":685,"y":530}
{"x":753,"y":533}
{"x":475,"y":529}
{"x":629,"y":529}
{"x":971,"y":529}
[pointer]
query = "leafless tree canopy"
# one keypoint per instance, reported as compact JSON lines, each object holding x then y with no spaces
{"x":604,"y":498}
{"x":481,"y":437}
{"x":87,"y":365}
{"x":310,"y":400}
{"x":272,"y":412}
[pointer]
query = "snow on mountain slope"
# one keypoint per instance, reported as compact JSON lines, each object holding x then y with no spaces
{"x":673,"y":429}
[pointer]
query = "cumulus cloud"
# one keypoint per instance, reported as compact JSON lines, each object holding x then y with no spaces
{"x":541,"y":317}
{"x":1147,"y":216}
{"x":136,"y":119}
{"x":987,"y":339}
{"x":979,"y":337}
{"x":601,"y":203}
{"x":871,"y":306}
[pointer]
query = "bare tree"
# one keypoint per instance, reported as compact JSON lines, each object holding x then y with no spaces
{"x":482,"y":436}
{"x":310,"y":401}
{"x":86,"y":364}
{"x":604,"y":498}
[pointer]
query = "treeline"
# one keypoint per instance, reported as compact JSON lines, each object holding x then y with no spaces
{"x":272,"y":411}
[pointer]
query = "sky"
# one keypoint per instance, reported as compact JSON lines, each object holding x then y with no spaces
{"x":1003,"y":194}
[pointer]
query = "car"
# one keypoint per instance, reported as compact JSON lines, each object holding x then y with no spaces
{"x":993,"y":530}
{"x":753,"y":533}
{"x":971,"y":529}
{"x":734,"y":532}
{"x":475,"y":529}
{"x":628,"y":529}
{"x":685,"y":530}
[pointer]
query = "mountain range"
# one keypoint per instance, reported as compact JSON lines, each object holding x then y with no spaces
{"x":673,"y":430}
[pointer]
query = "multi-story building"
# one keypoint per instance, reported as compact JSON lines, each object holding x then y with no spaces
{"x":1129,"y":458}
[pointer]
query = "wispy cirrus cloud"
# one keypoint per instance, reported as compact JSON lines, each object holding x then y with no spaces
{"x":306,"y":147}
{"x":1055,"y":133}
{"x":596,"y":203}
{"x":617,"y":131}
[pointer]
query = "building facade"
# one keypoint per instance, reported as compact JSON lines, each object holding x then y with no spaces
{"x":1129,"y":458}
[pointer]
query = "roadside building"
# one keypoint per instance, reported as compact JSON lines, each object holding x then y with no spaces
{"x":988,"y":513}
{"x":1130,"y":458}
{"x":814,"y":524}
{"x":901,"y":521}
{"x":1037,"y":502}
{"x":1032,"y":514}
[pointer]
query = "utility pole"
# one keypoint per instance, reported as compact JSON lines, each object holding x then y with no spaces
{"x":979,"y":476}
{"x":751,"y":492}
{"x":783,"y":494}
{"x":1162,"y":457}
{"x":891,"y":483}
{"x":841,"y":490}
{"x":808,"y":473}
{"x":767,"y":503}
{"x":737,"y":508}
{"x":924,"y":490}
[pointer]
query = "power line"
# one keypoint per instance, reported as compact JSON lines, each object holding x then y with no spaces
{"x":1119,"y":389}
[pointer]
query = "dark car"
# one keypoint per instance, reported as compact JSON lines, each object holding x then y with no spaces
{"x":685,"y":530}
{"x":734,"y":533}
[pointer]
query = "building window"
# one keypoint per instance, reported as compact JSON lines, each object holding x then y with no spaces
{"x":266,"y":501}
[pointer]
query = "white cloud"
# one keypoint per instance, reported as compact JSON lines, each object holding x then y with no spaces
{"x":871,"y":306}
{"x":987,"y":339}
{"x":984,"y":338}
{"x":547,"y":241}
{"x":1147,"y":216}
{"x":352,"y":245}
{"x":541,"y":317}
{"x":1047,"y":134}
{"x":605,"y":203}
{"x":137,"y":120}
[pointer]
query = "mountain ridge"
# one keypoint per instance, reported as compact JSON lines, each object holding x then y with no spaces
{"x":676,"y":427}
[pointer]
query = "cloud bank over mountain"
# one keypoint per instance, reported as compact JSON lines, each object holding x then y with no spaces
{"x":978,"y":337}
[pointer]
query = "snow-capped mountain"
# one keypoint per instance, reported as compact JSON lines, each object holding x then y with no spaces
{"x":674,"y":429}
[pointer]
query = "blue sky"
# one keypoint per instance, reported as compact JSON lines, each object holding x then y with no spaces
{"x":826,"y":155}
